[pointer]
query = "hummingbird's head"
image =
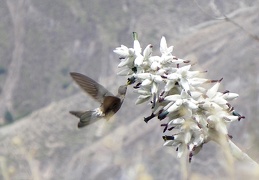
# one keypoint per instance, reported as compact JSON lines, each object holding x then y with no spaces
{"x":122,"y":90}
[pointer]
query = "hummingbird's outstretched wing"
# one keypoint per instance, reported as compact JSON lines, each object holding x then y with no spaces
{"x":94,"y":89}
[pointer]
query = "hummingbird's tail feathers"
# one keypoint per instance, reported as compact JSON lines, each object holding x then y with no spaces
{"x":88,"y":117}
{"x":77,"y":113}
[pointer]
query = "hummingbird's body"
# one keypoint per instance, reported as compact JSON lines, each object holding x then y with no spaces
{"x":110,"y":104}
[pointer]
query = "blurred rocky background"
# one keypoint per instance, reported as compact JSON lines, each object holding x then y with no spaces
{"x":41,"y":41}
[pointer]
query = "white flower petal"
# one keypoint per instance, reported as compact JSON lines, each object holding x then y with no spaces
{"x":161,"y":71}
{"x":191,"y":105}
{"x":142,"y":92}
{"x":178,"y":137}
{"x":146,"y":82}
{"x":154,"y":88}
{"x":230,"y":96}
{"x":168,"y":105}
{"x":173,"y":97}
{"x":185,"y":68}
{"x":143,"y":76}
{"x":142,"y":98}
{"x":165,"y":59}
{"x":213,"y":90}
{"x":137,"y":48}
{"x":220,"y":100}
{"x":176,"y":106}
{"x":168,"y":143}
{"x":124,"y":62}
{"x":155,"y":66}
{"x":177,"y":121}
{"x":154,"y":59}
{"x":170,"y":49}
{"x":176,"y":143}
{"x":173,"y":76}
{"x":231,"y":118}
{"x":197,"y":81}
{"x":122,"y":51}
{"x":139,"y":60}
{"x":199,"y":139}
{"x":147,"y":51}
{"x":187,"y":137}
{"x":163,"y":45}
{"x":157,"y":78}
{"x":169,"y":85}
{"x":185,"y":84}
{"x":195,"y":94}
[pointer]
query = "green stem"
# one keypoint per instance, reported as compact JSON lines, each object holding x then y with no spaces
{"x":135,"y":36}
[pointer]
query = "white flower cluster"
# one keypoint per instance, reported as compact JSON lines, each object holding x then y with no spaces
{"x":194,"y":113}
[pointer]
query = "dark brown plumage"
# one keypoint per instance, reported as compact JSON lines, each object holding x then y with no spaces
{"x":110,"y":104}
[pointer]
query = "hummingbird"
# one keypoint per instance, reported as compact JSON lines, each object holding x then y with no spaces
{"x":110,"y":104}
